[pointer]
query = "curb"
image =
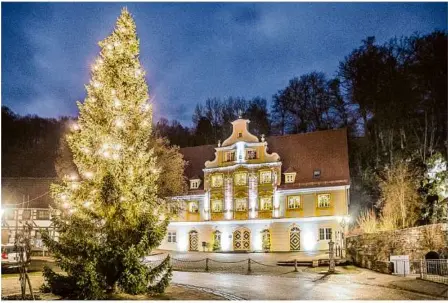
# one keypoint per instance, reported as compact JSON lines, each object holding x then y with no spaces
{"x":224,"y":295}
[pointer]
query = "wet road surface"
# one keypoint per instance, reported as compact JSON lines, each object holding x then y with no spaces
{"x":280,"y":288}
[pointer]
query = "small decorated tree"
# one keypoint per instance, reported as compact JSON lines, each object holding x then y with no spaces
{"x":266,"y":240}
{"x":111,"y":210}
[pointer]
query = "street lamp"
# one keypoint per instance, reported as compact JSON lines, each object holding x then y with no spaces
{"x":343,"y":221}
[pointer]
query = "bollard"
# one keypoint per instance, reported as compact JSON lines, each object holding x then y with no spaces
{"x":248,"y":266}
{"x":295,"y":265}
{"x":206,"y":264}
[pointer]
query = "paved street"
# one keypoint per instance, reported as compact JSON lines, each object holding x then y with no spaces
{"x":280,"y":288}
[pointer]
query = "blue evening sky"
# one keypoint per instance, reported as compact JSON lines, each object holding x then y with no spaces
{"x":191,"y":51}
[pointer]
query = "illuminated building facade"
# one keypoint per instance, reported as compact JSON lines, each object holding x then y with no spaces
{"x":282,"y":193}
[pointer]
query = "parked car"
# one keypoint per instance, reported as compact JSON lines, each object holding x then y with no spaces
{"x":10,"y":256}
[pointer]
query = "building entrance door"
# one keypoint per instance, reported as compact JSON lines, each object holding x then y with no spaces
{"x":294,"y":239}
{"x":241,"y":239}
{"x":193,"y":239}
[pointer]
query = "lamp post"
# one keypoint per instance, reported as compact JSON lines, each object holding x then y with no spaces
{"x":343,"y":224}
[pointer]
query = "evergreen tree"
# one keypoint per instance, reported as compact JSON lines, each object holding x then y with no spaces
{"x":111,"y":213}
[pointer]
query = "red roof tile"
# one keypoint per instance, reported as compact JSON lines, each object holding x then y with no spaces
{"x":326,"y":151}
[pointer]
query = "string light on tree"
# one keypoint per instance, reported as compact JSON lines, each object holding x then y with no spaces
{"x":119,"y":123}
{"x":112,"y":130}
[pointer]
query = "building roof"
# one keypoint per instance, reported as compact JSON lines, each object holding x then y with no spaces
{"x":326,"y":151}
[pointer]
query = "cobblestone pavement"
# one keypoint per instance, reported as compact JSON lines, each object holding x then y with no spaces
{"x":281,"y":288}
{"x":10,"y":286}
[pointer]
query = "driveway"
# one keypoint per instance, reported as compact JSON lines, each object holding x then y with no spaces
{"x":281,"y":288}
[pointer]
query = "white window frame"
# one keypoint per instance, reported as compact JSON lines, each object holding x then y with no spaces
{"x":236,"y":178}
{"x":290,"y":177}
{"x":263,"y":179}
{"x":172,"y":237}
{"x":327,"y":203}
{"x":326,"y":232}
{"x":194,"y":183}
{"x":263,"y":203}
{"x":299,"y":202}
{"x":239,"y":202}
{"x":221,"y":207}
{"x":216,"y":176}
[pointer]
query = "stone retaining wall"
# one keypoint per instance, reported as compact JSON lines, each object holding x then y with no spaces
{"x":373,"y":251}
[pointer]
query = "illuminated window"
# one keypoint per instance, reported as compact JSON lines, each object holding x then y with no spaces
{"x":251,"y":154}
{"x":230,"y":156}
{"x":323,"y":200}
{"x":241,"y":204}
{"x":324,"y":233}
{"x":193,"y":207}
{"x":294,"y":202}
{"x":217,"y":206}
{"x":217,"y":180}
{"x":172,"y":237}
{"x":289,"y":178}
{"x":43,"y":215}
{"x":240,"y":178}
{"x":266,"y":203}
{"x":265,"y":177}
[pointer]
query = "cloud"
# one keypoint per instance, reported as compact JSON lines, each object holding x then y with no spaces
{"x":191,"y":51}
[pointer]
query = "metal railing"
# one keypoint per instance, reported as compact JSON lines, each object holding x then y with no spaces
{"x":431,"y":270}
{"x":244,"y":266}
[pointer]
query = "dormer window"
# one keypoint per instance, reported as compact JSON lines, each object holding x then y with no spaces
{"x":194,"y":183}
{"x":290,"y":177}
{"x":316,"y":173}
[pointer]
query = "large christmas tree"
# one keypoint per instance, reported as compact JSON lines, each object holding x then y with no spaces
{"x":111,"y":211}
